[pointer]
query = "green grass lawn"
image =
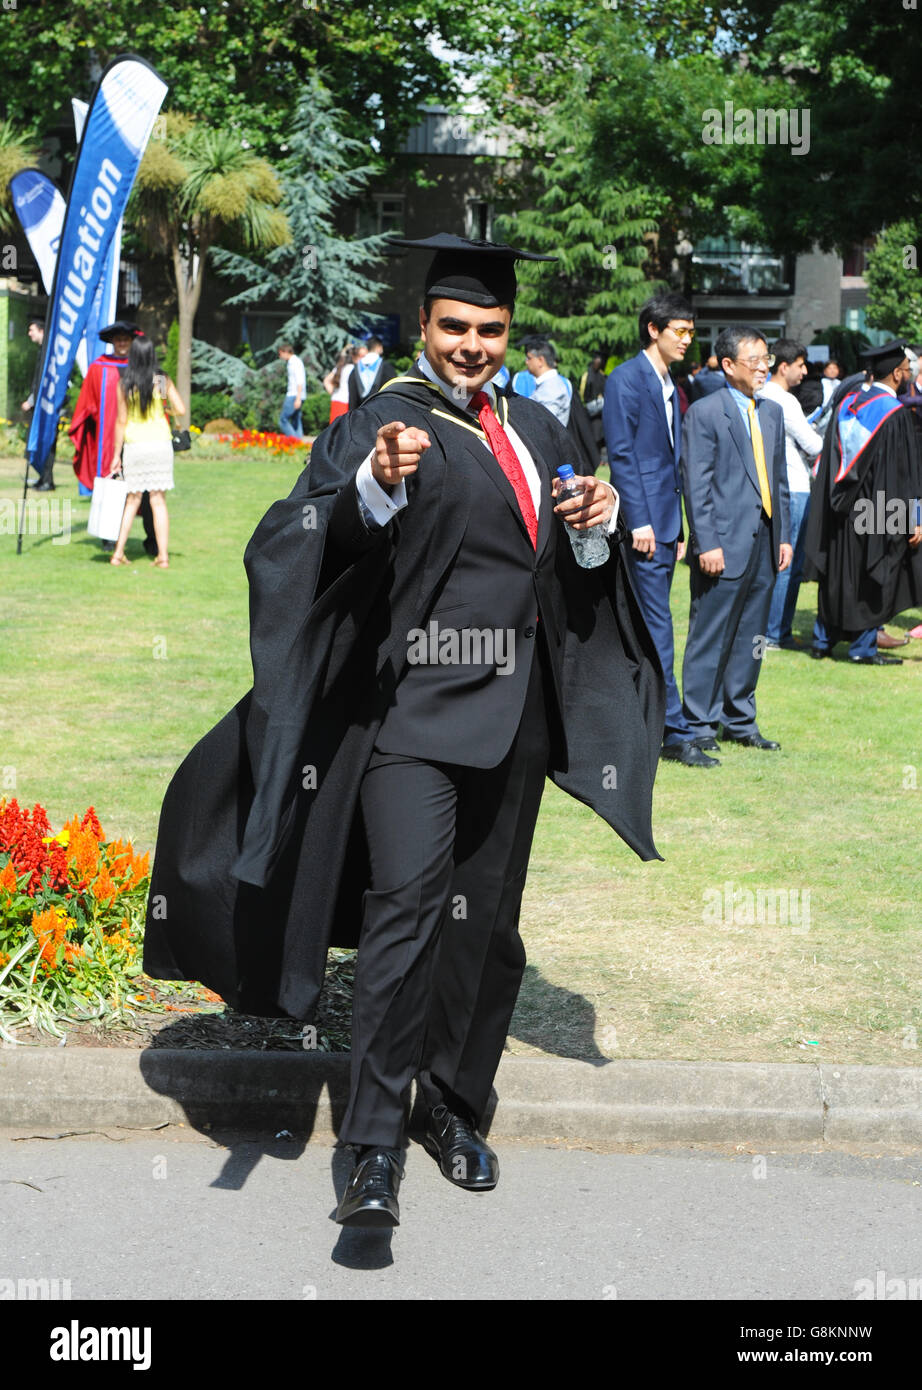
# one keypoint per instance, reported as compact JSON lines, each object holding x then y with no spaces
{"x":110,"y":675}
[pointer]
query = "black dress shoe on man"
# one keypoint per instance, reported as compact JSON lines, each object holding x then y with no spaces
{"x":44,"y":486}
{"x":819,"y":652}
{"x":753,"y":741}
{"x":689,"y":754}
{"x":707,"y":745}
{"x":876,"y":660}
{"x":464,"y":1156}
{"x":370,"y":1198}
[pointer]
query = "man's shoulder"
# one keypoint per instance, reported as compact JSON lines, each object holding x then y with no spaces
{"x":707,"y":406}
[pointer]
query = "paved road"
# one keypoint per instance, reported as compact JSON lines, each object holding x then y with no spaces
{"x":178,"y":1215}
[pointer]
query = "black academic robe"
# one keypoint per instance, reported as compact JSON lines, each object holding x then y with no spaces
{"x":260,"y":863}
{"x":857,"y":545}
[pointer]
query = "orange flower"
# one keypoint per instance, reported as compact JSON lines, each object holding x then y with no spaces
{"x":8,"y":878}
{"x":83,"y":853}
{"x":50,"y":928}
{"x":4,"y":957}
{"x":104,"y":890}
{"x":140,"y":868}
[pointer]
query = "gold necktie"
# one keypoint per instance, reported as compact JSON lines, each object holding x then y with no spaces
{"x":759,"y":455}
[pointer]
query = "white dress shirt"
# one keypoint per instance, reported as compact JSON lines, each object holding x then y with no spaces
{"x":799,"y":438}
{"x":668,"y":388}
{"x":553,"y":391}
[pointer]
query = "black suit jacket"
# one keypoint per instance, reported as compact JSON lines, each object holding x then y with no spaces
{"x":384,"y":373}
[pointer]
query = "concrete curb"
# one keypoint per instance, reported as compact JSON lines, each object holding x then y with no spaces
{"x":539,"y":1098}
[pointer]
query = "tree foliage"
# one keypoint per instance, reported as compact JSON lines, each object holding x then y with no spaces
{"x":588,"y":299}
{"x":17,"y":151}
{"x":321,"y":276}
{"x":245,"y":62}
{"x":895,"y":281}
{"x":197,"y":187}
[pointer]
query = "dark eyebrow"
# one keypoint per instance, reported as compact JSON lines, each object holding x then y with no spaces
{"x":450,"y":323}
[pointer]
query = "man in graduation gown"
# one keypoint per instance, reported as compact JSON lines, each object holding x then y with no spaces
{"x":92,"y":426}
{"x":425,"y":649}
{"x":863,"y":534}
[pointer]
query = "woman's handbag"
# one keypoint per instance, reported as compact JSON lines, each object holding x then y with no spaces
{"x":107,"y":507}
{"x":182,"y":439}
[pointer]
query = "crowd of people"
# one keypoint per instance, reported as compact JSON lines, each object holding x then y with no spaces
{"x":770,"y":494}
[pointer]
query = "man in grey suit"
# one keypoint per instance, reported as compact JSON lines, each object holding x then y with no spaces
{"x":736,"y":499}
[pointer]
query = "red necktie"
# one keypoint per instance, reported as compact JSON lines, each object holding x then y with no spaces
{"x":508,"y":461}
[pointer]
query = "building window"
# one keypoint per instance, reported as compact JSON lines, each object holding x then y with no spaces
{"x":479,"y":220}
{"x":130,"y":293}
{"x":723,"y":265}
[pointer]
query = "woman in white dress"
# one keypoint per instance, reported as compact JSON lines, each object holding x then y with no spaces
{"x":143,"y":444}
{"x":336,"y":383}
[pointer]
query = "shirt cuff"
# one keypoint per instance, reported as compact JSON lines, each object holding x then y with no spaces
{"x":612,"y":525}
{"x":377,"y":505}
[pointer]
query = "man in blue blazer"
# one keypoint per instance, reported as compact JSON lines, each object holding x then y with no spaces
{"x":643,"y":432}
{"x":736,"y":500}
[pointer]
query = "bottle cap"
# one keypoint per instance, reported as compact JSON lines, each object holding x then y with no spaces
{"x":565,"y":471}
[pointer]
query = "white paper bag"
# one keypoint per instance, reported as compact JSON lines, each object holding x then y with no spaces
{"x":107,"y":507}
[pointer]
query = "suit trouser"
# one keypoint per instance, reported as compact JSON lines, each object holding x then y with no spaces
{"x":440,"y":958}
{"x":652,"y":579}
{"x":726,"y":636}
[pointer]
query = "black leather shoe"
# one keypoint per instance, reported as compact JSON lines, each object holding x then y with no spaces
{"x":876,"y":660}
{"x":818,"y":653}
{"x":753,"y":741}
{"x":689,"y":754}
{"x":707,"y":745}
{"x":44,"y":487}
{"x":370,"y":1198}
{"x":463,"y":1155}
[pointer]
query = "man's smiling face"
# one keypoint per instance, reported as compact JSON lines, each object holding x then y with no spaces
{"x":465,"y":345}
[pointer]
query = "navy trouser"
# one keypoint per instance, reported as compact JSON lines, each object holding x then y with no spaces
{"x":860,"y":643}
{"x":652,"y":579}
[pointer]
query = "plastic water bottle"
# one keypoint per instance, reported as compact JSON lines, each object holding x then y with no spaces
{"x":590,"y":547}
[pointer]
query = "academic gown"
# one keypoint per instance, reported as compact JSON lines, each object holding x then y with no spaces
{"x":261,"y":863}
{"x":866,"y":573}
{"x":92,"y":427}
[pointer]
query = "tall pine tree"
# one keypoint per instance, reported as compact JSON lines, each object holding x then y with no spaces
{"x":587,"y":300}
{"x":321,"y":276}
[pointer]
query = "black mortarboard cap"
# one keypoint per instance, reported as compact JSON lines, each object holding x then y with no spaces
{"x":883,"y":359}
{"x":475,"y":272}
{"x":113,"y":330}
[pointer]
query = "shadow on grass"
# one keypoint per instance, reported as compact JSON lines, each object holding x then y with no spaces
{"x":556,"y":1020}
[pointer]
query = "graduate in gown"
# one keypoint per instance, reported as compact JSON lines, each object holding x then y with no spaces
{"x":425,"y":651}
{"x":863,"y":534}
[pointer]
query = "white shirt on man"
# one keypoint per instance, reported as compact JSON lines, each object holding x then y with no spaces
{"x":297,"y":378}
{"x":799,"y":438}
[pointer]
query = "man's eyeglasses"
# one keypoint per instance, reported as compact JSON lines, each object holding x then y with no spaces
{"x":685,"y":334}
{"x":753,"y":362}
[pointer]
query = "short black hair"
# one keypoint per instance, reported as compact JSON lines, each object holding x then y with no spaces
{"x":37,"y":323}
{"x":659,"y":310}
{"x":787,"y":350}
{"x":374,"y":343}
{"x":729,"y":339}
{"x":541,"y":347}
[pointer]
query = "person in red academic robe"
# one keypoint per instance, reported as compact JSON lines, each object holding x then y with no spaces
{"x":92,"y":427}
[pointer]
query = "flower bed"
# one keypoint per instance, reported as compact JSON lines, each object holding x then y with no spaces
{"x":71,"y":923}
{"x":262,"y":439}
